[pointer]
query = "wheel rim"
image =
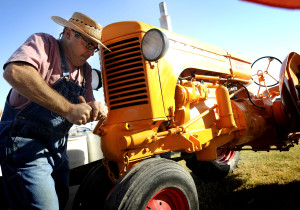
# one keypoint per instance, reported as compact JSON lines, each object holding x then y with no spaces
{"x":224,"y":156}
{"x":168,"y":199}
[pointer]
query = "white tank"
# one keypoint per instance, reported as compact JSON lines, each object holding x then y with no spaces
{"x":83,"y":147}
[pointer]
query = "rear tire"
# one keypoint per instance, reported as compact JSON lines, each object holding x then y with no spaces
{"x":155,"y":183}
{"x":225,"y":164}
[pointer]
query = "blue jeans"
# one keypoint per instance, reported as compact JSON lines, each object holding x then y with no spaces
{"x":33,"y":177}
{"x":34,"y":162}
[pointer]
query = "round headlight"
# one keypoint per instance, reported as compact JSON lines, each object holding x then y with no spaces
{"x":96,"y":79}
{"x":154,"y":45}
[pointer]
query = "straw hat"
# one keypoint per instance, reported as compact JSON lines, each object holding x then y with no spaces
{"x":84,"y":25}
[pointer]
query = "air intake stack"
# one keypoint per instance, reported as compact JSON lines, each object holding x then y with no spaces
{"x":165,"y":20}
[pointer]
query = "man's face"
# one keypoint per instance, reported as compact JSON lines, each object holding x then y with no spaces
{"x":79,"y":48}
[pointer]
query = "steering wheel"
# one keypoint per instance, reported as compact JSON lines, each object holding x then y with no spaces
{"x":263,"y":66}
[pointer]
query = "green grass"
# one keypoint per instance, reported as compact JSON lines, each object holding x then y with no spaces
{"x":265,"y":168}
{"x":264,"y":180}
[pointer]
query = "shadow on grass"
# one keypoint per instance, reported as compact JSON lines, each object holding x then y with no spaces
{"x":225,"y":194}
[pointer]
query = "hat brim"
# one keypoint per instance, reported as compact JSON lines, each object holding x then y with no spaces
{"x":68,"y":24}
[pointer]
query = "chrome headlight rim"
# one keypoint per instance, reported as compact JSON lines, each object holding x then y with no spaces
{"x":96,"y":79}
{"x":147,"y":42}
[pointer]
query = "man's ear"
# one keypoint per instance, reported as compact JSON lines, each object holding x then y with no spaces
{"x":69,"y":33}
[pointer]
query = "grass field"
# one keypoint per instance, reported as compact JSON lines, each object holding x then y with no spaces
{"x":264,"y":180}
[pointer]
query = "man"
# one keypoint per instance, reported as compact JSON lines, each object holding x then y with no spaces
{"x":51,"y":83}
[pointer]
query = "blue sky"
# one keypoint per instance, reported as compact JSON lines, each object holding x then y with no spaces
{"x":248,"y":29}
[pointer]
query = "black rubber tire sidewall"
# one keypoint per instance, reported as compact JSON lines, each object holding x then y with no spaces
{"x":136,"y":188}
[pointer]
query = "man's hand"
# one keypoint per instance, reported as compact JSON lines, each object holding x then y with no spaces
{"x":79,"y":113}
{"x":99,"y":110}
{"x":83,"y":112}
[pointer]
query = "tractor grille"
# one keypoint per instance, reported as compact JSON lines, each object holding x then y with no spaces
{"x":125,"y":74}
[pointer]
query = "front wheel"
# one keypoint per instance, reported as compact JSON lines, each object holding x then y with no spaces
{"x":155,"y":183}
{"x":93,"y":190}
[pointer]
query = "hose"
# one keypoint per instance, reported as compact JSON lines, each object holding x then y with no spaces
{"x":249,"y":96}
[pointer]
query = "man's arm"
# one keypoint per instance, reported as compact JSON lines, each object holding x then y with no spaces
{"x":27,"y":81}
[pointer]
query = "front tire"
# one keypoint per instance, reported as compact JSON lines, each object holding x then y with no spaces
{"x":93,"y":190}
{"x":155,"y":183}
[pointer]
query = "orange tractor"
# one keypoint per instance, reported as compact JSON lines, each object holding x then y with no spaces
{"x":169,"y":98}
